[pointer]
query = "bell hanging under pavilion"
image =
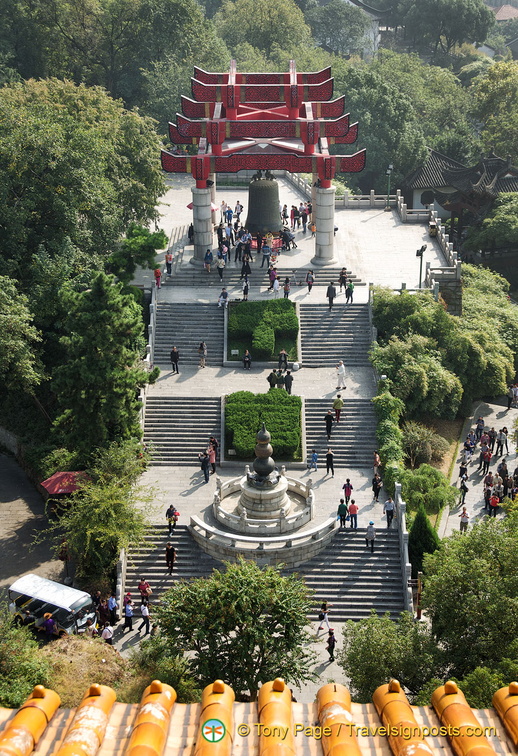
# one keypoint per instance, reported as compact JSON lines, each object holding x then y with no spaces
{"x":263,"y":206}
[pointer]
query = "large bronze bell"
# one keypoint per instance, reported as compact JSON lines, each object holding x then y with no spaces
{"x":263,"y":206}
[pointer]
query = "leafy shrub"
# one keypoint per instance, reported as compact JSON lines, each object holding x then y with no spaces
{"x":280,"y":412}
{"x":22,"y":665}
{"x":422,"y":444}
{"x":428,"y":487}
{"x":262,"y":321}
{"x":392,"y":474}
{"x":422,"y":539}
{"x":263,"y":342}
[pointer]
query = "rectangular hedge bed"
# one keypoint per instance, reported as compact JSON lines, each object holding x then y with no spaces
{"x":244,"y":414}
{"x":264,"y":328}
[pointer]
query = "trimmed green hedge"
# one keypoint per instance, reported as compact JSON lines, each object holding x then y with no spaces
{"x":281,"y":413}
{"x":261,"y":322}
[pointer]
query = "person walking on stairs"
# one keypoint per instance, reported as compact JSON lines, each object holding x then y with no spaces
{"x":342,"y":513}
{"x":329,"y":424}
{"x":353,"y":514}
{"x":347,"y":489}
{"x":329,"y":462}
{"x":340,"y":375}
{"x":144,"y":611}
{"x":324,"y":611}
{"x":370,"y":535}
{"x":288,"y":381}
{"x":331,"y":643}
{"x":337,"y":406}
{"x":331,"y":294}
{"x":202,"y":351}
{"x":388,"y":509}
{"x":170,"y":557}
{"x":349,"y":293}
{"x":174,"y":357}
{"x":376,"y":486}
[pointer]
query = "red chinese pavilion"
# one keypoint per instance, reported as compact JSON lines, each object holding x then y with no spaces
{"x":263,"y":121}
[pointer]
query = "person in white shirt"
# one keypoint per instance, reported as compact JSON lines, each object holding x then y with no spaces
{"x":340,"y":374}
{"x":107,"y":634}
{"x":144,"y":610}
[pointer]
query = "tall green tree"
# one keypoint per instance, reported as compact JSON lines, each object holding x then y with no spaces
{"x":245,"y":625}
{"x":339,"y":27}
{"x":106,"y":514}
{"x":377,"y":648}
{"x":139,"y":247}
{"x":263,"y":23}
{"x":442,"y":24}
{"x":471,"y":594}
{"x":495,"y":99}
{"x":389,"y":126}
{"x":75,"y":167}
{"x":422,"y":539}
{"x":19,"y":366}
{"x":97,"y":385}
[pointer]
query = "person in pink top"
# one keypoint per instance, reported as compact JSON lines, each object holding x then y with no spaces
{"x":211,"y":451}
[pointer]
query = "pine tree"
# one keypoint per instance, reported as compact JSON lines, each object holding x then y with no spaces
{"x":423,"y":539}
{"x":97,"y":386}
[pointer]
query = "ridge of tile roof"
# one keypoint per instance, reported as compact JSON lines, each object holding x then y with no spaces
{"x":431,"y":174}
{"x":505,"y":12}
{"x":275,"y":724}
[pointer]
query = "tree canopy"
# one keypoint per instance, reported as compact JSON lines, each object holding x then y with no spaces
{"x":76,"y":167}
{"x":245,"y":625}
{"x":339,"y":27}
{"x":18,"y":339}
{"x":96,"y":385}
{"x":471,"y":594}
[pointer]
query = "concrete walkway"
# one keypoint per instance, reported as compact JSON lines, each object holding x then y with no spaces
{"x":495,"y":415}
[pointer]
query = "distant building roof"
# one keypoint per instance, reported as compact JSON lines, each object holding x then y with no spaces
{"x":431,"y":175}
{"x":505,"y":12}
{"x":490,"y":176}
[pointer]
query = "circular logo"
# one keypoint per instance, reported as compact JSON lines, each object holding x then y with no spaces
{"x":213,"y":730}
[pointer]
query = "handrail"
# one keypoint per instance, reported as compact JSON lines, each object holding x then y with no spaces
{"x":406,"y":567}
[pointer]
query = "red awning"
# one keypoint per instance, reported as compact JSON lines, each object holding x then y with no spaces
{"x":62,"y":482}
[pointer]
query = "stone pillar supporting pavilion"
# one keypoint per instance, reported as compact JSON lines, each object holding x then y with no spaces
{"x":324,"y":215}
{"x":202,"y":221}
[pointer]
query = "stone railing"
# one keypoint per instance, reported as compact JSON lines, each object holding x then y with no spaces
{"x":356,"y":201}
{"x":257,"y":527}
{"x":406,"y":568}
{"x":120,"y":587}
{"x":442,"y":237}
{"x":291,"y":550}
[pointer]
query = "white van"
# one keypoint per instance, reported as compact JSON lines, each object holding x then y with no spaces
{"x":36,"y":595}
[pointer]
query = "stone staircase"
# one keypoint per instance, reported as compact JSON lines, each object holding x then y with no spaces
{"x":352,"y":579}
{"x":185,"y":326}
{"x":342,"y":334}
{"x":353,"y":439}
{"x":191,"y":275}
{"x":346,"y":573}
{"x":177,"y":428}
{"x":149,"y":561}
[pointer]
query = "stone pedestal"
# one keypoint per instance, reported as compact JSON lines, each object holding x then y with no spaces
{"x":324,"y":215}
{"x":203,"y":236}
{"x":265,"y":503}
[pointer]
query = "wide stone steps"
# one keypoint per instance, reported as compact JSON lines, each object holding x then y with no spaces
{"x":185,"y":326}
{"x":327,"y":336}
{"x":353,"y":439}
{"x":346,"y":573}
{"x":190,"y":275}
{"x":353,"y":580}
{"x":148,"y":561}
{"x":178,"y":428}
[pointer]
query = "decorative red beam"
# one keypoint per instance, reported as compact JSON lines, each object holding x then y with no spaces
{"x":216,"y":132}
{"x":232,"y":96}
{"x":202,"y":165}
{"x":330,"y":109}
{"x":208,"y":77}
